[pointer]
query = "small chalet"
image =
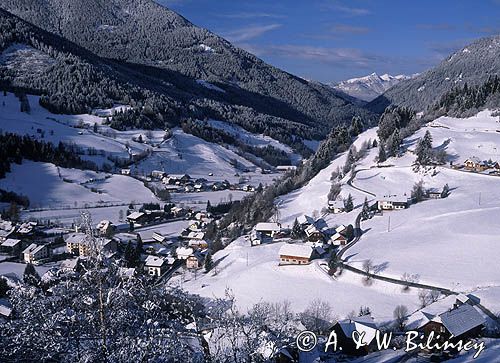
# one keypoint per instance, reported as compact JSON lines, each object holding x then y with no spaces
{"x":184,"y":252}
{"x":195,"y":261}
{"x":393,"y":202}
{"x":285,"y":168}
{"x":295,"y":254}
{"x":345,"y":328}
{"x":336,"y":206}
{"x":155,"y":266}
{"x":267,"y":228}
{"x":338,"y":239}
{"x":11,"y":246}
{"x":305,"y":220}
{"x":157,"y":174}
{"x":313,"y":233}
{"x":125,"y":171}
{"x":198,"y":244}
{"x":35,"y":253}
{"x":474,"y":164}
{"x":178,"y":211}
{"x":434,"y":193}
{"x":461,"y":322}
{"x":137,"y":218}
{"x":105,"y":228}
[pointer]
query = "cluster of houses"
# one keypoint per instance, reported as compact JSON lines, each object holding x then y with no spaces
{"x":317,"y":238}
{"x":480,"y":166}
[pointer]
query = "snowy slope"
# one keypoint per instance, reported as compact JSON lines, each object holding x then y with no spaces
{"x":369,"y":87}
{"x":253,"y":275}
{"x":451,"y":242}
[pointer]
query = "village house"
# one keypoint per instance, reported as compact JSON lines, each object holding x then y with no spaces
{"x":137,"y":218}
{"x":178,"y":212}
{"x":478,"y":165}
{"x":393,"y":202}
{"x":195,"y":261}
{"x":155,"y":266}
{"x":73,"y":242}
{"x":336,"y":206}
{"x":11,"y":246}
{"x":157,"y":174}
{"x":105,"y":228}
{"x":305,"y":220}
{"x":363,"y":325}
{"x":461,"y":322}
{"x":34,"y":253}
{"x":295,"y":254}
{"x":313,"y":233}
{"x":158,"y":237}
{"x":27,"y":228}
{"x":197,"y":244}
{"x":125,"y":171}
{"x":285,"y":168}
{"x":338,"y":239}
{"x":269,"y":229}
{"x":183,"y":252}
{"x":434,"y":193}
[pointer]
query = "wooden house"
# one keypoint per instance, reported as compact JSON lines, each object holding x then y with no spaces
{"x":268,"y":228}
{"x":393,"y":202}
{"x":295,"y":254}
{"x":11,"y":246}
{"x":363,"y":325}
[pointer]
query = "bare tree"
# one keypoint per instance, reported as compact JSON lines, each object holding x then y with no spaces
{"x":318,"y":316}
{"x":424,"y":298}
{"x":434,"y":295}
{"x":400,"y":316}
{"x":409,"y":278}
{"x":368,"y":268}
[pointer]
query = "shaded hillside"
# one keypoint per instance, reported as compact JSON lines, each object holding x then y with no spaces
{"x":143,"y":32}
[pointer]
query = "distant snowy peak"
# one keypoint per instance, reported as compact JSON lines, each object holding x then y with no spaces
{"x":369,"y":87}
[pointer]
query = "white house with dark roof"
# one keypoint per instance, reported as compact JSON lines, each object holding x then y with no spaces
{"x":393,"y":202}
{"x":268,"y":228}
{"x":155,"y":266}
{"x":35,"y":253}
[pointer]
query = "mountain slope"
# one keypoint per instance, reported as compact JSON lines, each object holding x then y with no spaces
{"x":472,"y":64}
{"x":143,"y":32}
{"x":369,"y":87}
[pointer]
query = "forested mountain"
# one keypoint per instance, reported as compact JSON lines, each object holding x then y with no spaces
{"x":179,"y":58}
{"x":472,"y":65}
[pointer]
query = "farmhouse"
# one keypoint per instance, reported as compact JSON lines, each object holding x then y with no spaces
{"x":313,"y":233}
{"x":295,"y":254}
{"x":11,"y":246}
{"x":184,"y":252}
{"x":336,"y":206}
{"x":155,"y":266}
{"x":338,"y":239}
{"x":393,"y":202}
{"x":157,"y":174}
{"x":35,"y":253}
{"x":461,"y":322}
{"x":363,"y":325}
{"x":137,"y":218}
{"x":268,"y":229}
{"x":434,"y":193}
{"x":195,"y":261}
{"x":125,"y":171}
{"x":105,"y":228}
{"x":305,"y":220}
{"x":197,"y":244}
{"x":285,"y":168}
{"x":475,"y":164}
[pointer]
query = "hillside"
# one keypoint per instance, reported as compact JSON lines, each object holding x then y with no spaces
{"x":143,"y":32}
{"x":447,"y":242}
{"x":471,"y":65}
{"x":369,"y":87}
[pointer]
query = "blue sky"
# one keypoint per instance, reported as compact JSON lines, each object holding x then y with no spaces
{"x":331,"y":40}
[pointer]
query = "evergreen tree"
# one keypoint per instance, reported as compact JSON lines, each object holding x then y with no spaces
{"x":356,"y":126}
{"x":418,"y":192}
{"x":30,"y":276}
{"x":424,"y":149}
{"x":297,"y":232}
{"x":138,"y":248}
{"x":209,"y":206}
{"x":381,"y":153}
{"x":95,"y":127}
{"x":130,"y":255}
{"x":393,"y":143}
{"x":446,"y":191}
{"x":348,"y":203}
{"x":208,"y":262}
{"x":4,"y":287}
{"x":365,"y":213}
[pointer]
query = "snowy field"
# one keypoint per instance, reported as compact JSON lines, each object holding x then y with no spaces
{"x":49,"y":186}
{"x":253,"y":275}
{"x":450,"y":242}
